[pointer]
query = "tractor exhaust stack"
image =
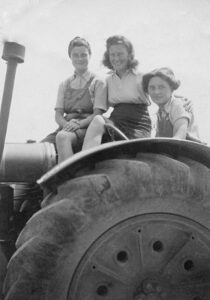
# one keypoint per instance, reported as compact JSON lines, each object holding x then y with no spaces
{"x":13,"y":53}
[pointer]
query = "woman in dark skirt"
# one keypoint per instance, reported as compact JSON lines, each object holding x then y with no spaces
{"x":125,"y":95}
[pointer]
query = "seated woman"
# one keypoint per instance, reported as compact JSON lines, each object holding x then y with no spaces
{"x":172,"y":118}
{"x":125,"y":95}
{"x":80,"y":98}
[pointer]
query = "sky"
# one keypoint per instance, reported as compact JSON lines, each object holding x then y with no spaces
{"x":164,"y":33}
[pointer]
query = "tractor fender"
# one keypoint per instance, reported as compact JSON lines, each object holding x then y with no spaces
{"x":133,"y":223}
{"x":84,"y":159}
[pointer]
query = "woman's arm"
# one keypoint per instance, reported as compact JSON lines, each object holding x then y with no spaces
{"x":180,"y":128}
{"x":98,"y":91}
{"x":70,"y":125}
{"x":59,"y":117}
{"x":85,"y":122}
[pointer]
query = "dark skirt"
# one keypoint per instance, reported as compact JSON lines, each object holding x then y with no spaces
{"x":132,"y":119}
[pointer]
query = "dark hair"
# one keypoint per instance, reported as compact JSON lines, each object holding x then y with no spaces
{"x":119,"y":40}
{"x":165,"y":73}
{"x":77,"y":42}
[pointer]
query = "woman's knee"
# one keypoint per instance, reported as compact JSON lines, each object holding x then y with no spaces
{"x":98,"y":123}
{"x":65,"y":136}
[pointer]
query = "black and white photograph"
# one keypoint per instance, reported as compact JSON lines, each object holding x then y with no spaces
{"x":104,"y":150}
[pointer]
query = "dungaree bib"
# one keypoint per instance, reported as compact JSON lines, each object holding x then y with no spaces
{"x":78,"y":101}
{"x":164,"y":125}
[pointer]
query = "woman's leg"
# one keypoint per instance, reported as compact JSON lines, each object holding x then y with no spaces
{"x":94,"y":133}
{"x":64,"y":142}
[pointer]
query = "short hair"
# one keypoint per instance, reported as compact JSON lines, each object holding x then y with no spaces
{"x":165,"y":73}
{"x":78,"y":42}
{"x":119,"y":40}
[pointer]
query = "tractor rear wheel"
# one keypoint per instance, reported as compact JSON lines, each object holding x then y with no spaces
{"x":3,"y":268}
{"x":129,"y":228}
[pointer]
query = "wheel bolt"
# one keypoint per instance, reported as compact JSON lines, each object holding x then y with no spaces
{"x":140,"y":297}
{"x":163,"y":296}
{"x":158,"y":288}
{"x":149,"y":287}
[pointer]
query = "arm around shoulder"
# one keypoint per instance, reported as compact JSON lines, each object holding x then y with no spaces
{"x":187,"y":103}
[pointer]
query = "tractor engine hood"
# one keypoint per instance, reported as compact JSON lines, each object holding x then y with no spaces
{"x":26,"y":162}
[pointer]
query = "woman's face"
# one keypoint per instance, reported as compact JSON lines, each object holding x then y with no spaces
{"x":159,"y":90}
{"x":80,"y":58}
{"x":119,"y":58}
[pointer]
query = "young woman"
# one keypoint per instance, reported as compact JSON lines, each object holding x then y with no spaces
{"x":172,"y":118}
{"x":80,"y":98}
{"x":125,"y":95}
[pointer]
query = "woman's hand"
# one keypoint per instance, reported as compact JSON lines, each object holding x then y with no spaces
{"x":72,"y":125}
{"x":188,"y":105}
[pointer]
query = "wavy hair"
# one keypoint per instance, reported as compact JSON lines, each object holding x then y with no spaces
{"x":165,"y":73}
{"x":120,"y":40}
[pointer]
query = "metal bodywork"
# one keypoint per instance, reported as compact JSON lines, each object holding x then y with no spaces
{"x":137,"y":247}
{"x":172,"y":147}
{"x":13,"y":53}
{"x":26,"y":162}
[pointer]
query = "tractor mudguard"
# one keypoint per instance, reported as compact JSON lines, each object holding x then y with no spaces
{"x":129,"y":220}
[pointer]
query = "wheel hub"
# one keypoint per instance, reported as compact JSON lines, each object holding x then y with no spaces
{"x":147,"y":257}
{"x":151,"y":288}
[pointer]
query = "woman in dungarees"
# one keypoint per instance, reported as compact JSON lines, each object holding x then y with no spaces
{"x":80,"y":98}
{"x":172,"y":118}
{"x":125,"y":95}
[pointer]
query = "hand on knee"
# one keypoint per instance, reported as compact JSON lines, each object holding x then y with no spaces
{"x":62,"y":136}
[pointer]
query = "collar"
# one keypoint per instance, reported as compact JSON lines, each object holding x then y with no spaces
{"x":127,"y":72}
{"x":86,"y":76}
{"x":167,"y":106}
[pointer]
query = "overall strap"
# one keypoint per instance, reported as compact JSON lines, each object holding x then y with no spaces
{"x":87,"y":85}
{"x":79,"y":100}
{"x":89,"y":81}
{"x":92,"y":76}
{"x":84,"y":89}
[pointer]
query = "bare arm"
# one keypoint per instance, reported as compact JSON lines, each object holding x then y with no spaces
{"x":59,"y":118}
{"x":99,"y":94}
{"x":180,"y":128}
{"x":67,"y":125}
{"x":74,"y":124}
{"x":85,"y":122}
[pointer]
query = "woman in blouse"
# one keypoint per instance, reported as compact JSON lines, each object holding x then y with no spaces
{"x":125,"y":95}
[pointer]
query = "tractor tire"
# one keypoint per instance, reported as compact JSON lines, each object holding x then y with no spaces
{"x":3,"y":269}
{"x":128,"y":228}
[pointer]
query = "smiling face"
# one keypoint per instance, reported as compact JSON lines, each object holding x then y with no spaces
{"x":119,"y":58}
{"x":80,"y":58}
{"x":159,"y":90}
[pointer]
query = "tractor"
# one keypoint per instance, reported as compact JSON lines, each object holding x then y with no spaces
{"x":128,"y":220}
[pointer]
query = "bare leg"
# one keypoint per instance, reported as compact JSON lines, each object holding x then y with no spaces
{"x":94,"y":133}
{"x":65,"y":142}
